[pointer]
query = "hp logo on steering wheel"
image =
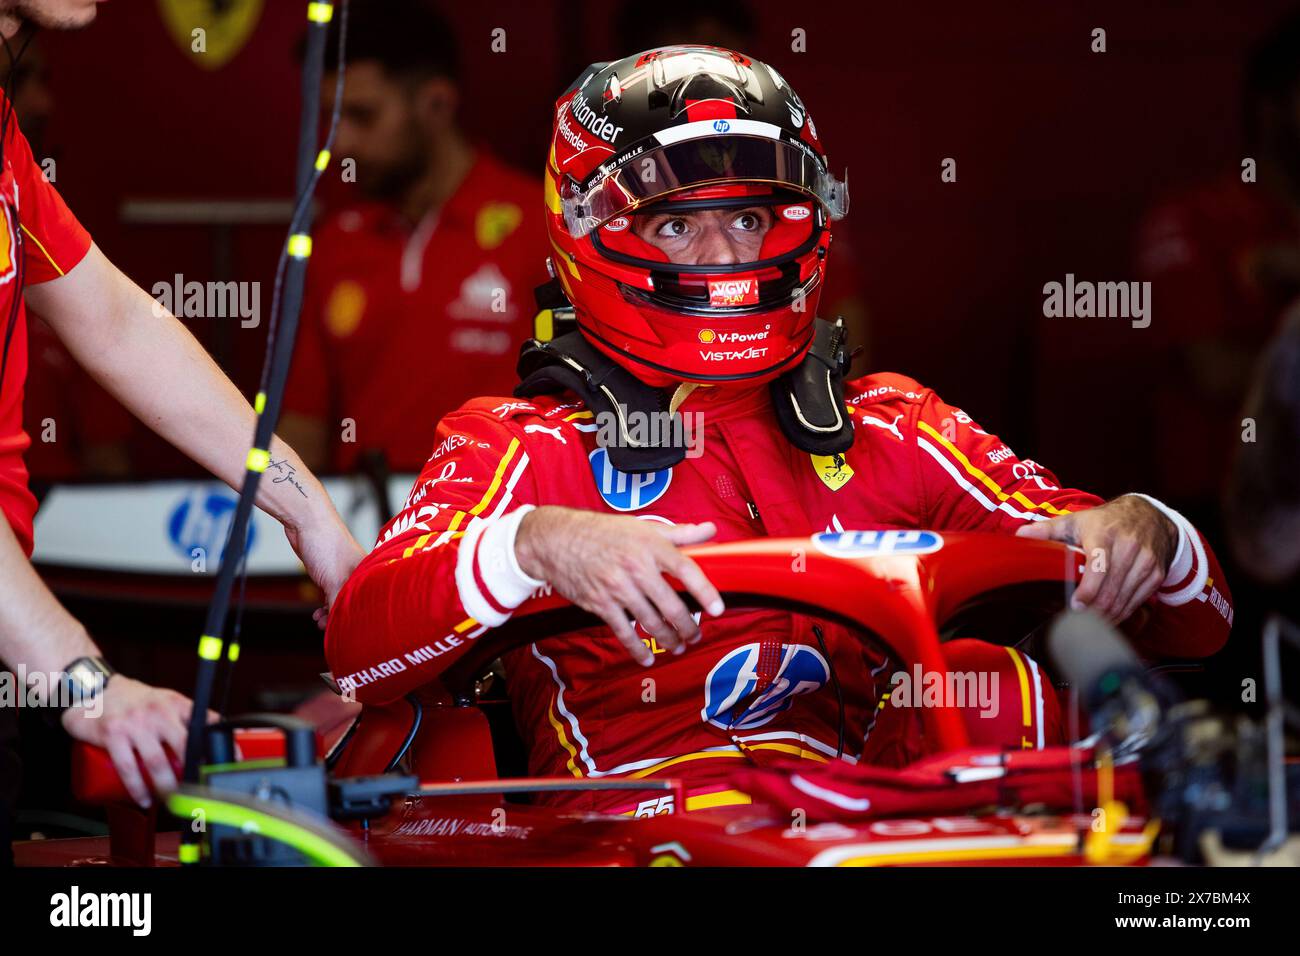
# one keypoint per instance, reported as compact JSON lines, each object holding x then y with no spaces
{"x":872,"y":544}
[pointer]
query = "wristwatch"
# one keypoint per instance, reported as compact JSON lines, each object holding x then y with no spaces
{"x":82,"y":681}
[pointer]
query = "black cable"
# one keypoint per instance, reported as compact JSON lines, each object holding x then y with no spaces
{"x":835,"y":682}
{"x":299,"y":221}
{"x":287,"y":304}
{"x":228,"y":673}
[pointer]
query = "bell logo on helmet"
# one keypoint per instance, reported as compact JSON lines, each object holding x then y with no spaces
{"x":725,"y":292}
{"x":707,"y":336}
{"x":796,"y":213}
{"x":618,"y":224}
{"x":624,"y":492}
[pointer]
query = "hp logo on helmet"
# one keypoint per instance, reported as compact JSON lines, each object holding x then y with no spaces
{"x":721,"y":126}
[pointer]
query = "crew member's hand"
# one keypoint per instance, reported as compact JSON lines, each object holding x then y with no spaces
{"x":614,"y":565}
{"x":1128,"y":546}
{"x":137,"y":724}
{"x":329,"y":553}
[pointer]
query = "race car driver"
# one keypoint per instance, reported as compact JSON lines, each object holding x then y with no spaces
{"x":690,"y":205}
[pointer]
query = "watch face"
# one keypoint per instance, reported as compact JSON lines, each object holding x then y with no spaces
{"x":84,"y":679}
{"x":89,"y":682}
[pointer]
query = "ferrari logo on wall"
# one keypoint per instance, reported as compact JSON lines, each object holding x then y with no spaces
{"x":494,"y":223}
{"x":211,"y":32}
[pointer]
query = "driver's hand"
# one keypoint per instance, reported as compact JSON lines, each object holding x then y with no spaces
{"x":137,"y":725}
{"x":614,"y":565}
{"x":1128,"y":547}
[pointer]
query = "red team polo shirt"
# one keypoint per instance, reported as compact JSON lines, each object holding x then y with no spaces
{"x":401,"y":325}
{"x":52,"y":243}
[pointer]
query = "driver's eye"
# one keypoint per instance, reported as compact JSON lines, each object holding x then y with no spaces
{"x":674,"y":228}
{"x":746,"y":221}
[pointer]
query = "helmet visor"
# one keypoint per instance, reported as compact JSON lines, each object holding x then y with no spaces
{"x":640,"y":176}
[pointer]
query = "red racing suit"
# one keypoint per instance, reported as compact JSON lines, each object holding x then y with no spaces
{"x":756,"y":687}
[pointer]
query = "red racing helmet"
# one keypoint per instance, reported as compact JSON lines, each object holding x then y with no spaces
{"x":689,"y":128}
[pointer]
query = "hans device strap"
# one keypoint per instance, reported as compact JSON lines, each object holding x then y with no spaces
{"x":611,"y":392}
{"x":808,"y":400}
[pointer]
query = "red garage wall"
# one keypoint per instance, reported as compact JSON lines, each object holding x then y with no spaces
{"x":1058,"y":150}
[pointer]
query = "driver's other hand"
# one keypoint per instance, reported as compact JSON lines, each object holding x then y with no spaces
{"x":614,"y":566}
{"x":1128,"y":546}
{"x":139,"y":726}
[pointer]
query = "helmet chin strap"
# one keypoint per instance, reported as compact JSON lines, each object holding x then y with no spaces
{"x":808,"y":400}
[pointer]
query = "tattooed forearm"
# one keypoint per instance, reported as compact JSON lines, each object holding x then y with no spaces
{"x":285,"y":473}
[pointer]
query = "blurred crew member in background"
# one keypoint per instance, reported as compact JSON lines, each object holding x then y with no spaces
{"x":1224,"y":261}
{"x":434,"y":266}
{"x":1263,"y":500}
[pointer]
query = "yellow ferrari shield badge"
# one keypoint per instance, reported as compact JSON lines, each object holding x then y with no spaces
{"x":210,"y":32}
{"x":833,"y":470}
{"x":494,"y":222}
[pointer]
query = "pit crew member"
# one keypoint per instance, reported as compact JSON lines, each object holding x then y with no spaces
{"x":146,"y":359}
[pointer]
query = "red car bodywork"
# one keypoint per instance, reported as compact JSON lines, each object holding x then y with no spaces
{"x":907,"y":601}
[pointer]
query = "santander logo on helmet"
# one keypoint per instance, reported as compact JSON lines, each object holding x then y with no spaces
{"x":706,"y":138}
